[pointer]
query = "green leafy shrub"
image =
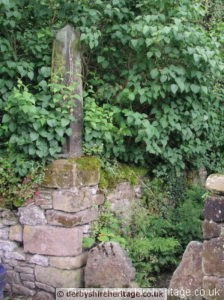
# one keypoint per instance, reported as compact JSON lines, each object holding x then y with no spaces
{"x":36,"y":125}
{"x":187,"y":216}
{"x":19,"y":180}
{"x":113,"y":173}
{"x":164,"y":90}
{"x":105,"y":229}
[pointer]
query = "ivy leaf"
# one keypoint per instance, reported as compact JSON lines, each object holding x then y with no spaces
{"x":195,"y":88}
{"x":30,"y":75}
{"x":88,"y":242}
{"x":6,"y":118}
{"x":64,"y":122}
{"x":45,"y":72}
{"x":134,"y":43}
{"x":34,"y":136}
{"x":52,"y":122}
{"x":145,"y":29}
{"x":59,"y":131}
{"x":68,"y":131}
{"x":154,"y":73}
{"x":31,"y":150}
{"x":163,"y":78}
{"x":174,"y":88}
{"x":180,"y":83}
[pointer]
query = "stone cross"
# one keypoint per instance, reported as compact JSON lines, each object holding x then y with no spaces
{"x":67,"y":69}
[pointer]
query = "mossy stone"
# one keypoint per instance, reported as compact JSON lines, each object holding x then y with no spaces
{"x":122,"y":172}
{"x":88,"y":170}
{"x":73,"y":172}
{"x":60,"y":174}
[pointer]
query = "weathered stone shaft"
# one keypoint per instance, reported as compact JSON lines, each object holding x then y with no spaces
{"x":67,"y":69}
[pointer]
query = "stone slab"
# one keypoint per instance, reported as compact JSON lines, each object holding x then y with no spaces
{"x":7,"y":245}
{"x":4,"y":233}
{"x":73,"y":172}
{"x":69,"y":263}
{"x":12,"y":277}
{"x":211,"y":230}
{"x":40,"y":260}
{"x":60,"y":174}
{"x":9,"y":218}
{"x":50,"y":240}
{"x":16,"y":233}
{"x":214,"y":209}
{"x":32,"y":215}
{"x":45,"y":287}
{"x":73,"y":200}
{"x":59,"y":218}
{"x":213,"y":257}
{"x":59,"y":278}
{"x":22,"y":290}
{"x":17,"y":254}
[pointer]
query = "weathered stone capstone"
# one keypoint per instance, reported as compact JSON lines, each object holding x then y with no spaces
{"x":215,"y":183}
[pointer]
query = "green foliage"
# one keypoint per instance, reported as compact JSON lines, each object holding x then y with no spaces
{"x":36,"y":124}
{"x":105,"y":229}
{"x":161,"y":91}
{"x":188,"y":216}
{"x":152,"y":245}
{"x":159,"y":230}
{"x":150,"y":75}
{"x":113,"y":172}
{"x":16,"y":187}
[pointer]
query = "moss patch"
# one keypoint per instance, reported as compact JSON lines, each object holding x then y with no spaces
{"x":88,"y":170}
{"x":86,"y":163}
{"x":109,"y":178}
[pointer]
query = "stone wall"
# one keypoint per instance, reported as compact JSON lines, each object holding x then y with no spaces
{"x":213,"y":233}
{"x":41,"y":242}
{"x":202,"y":265}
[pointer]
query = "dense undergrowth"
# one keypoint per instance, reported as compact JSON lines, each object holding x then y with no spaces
{"x":162,"y":223}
